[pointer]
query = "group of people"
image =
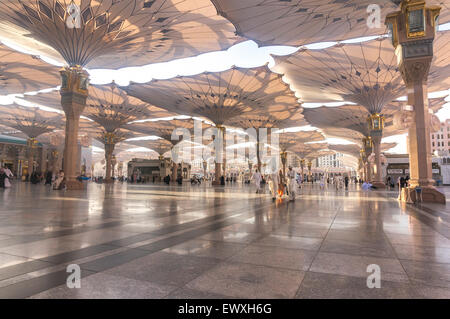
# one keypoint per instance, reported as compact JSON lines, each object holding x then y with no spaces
{"x":179,"y":179}
{"x":279,"y":184}
{"x":339,"y":181}
{"x":58,"y":182}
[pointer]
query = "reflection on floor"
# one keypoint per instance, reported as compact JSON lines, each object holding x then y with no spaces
{"x":155,"y":241}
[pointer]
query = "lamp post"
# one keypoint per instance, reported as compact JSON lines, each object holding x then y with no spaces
{"x":109,"y":140}
{"x":309,"y":170}
{"x":413,"y":30}
{"x":376,"y":126}
{"x":31,"y":146}
{"x":368,"y":147}
{"x":283,"y":156}
{"x":302,"y":166}
{"x":219,"y":146}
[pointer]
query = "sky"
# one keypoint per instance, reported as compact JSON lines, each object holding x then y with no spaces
{"x":245,"y":54}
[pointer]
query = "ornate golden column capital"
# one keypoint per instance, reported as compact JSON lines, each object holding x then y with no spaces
{"x":413,"y":29}
{"x":74,"y":79}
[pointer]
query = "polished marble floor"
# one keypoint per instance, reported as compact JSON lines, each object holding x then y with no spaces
{"x":157,"y":241}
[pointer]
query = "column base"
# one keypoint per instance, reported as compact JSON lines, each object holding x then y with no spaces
{"x":429,"y":195}
{"x":74,"y":185}
{"x":215,"y":183}
{"x":378,"y":184}
{"x":108,"y":181}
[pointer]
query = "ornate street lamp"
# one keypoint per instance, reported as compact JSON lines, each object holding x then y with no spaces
{"x":413,"y":30}
{"x":283,"y":156}
{"x":376,"y":125}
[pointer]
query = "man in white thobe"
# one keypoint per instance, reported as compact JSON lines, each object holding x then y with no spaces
{"x":257,"y":179}
{"x":274,"y":182}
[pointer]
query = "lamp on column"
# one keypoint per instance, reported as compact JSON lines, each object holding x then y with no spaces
{"x":376,"y":125}
{"x":74,"y":79}
{"x":302,"y":164}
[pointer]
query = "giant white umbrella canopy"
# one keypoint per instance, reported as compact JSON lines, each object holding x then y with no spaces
{"x":365,"y":73}
{"x":298,"y":22}
{"x":270,"y":120}
{"x":344,"y":133}
{"x":20,"y":73}
{"x":353,"y":149}
{"x":392,"y":128}
{"x":160,"y":146}
{"x":291,"y":140}
{"x":109,"y":34}
{"x":115,"y":33}
{"x":112,"y":108}
{"x":33,"y":122}
{"x":302,"y":149}
{"x":353,"y":117}
{"x":219,"y":97}
{"x":108,"y":105}
{"x":110,"y":139}
{"x":170,"y":130}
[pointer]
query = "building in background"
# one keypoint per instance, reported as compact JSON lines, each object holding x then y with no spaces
{"x":330,"y":161}
{"x":440,"y":141}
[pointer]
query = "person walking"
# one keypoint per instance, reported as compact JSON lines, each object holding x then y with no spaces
{"x":291,"y":183}
{"x":9,"y":175}
{"x":48,"y":178}
{"x":322,"y":182}
{"x":281,"y":183}
{"x":2,"y":177}
{"x":60,"y":181}
{"x":274,"y":181}
{"x":257,"y":179}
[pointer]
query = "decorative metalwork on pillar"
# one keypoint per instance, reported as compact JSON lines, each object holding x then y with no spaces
{"x":413,"y":30}
{"x":74,"y":80}
{"x":32,"y":143}
{"x":376,"y":124}
{"x":367,"y":144}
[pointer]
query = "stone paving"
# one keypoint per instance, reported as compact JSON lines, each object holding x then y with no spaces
{"x":158,"y":241}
